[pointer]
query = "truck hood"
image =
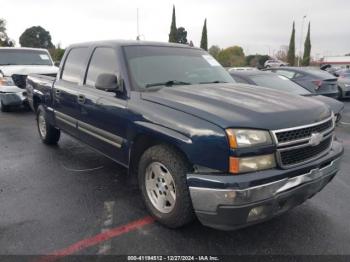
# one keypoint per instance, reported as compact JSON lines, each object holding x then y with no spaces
{"x":237,"y":105}
{"x":27,"y":69}
{"x":335,"y":105}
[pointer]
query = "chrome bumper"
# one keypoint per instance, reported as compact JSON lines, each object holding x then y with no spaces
{"x":13,"y":99}
{"x":209,"y":199}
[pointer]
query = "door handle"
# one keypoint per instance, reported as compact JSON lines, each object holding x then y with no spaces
{"x":81,"y":99}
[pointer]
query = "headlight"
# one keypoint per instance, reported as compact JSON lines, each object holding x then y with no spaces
{"x":239,"y":138}
{"x":6,"y":81}
{"x":251,"y":164}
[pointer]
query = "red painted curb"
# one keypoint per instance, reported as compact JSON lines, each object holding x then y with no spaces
{"x":94,"y":240}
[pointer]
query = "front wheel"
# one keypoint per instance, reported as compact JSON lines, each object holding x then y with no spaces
{"x":3,"y":107}
{"x":47,"y":132}
{"x":162,"y":179}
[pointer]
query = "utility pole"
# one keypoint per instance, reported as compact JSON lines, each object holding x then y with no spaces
{"x":301,"y":39}
{"x":137,"y":24}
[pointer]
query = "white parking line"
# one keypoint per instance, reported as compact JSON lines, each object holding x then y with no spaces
{"x":105,"y":247}
{"x":344,"y":123}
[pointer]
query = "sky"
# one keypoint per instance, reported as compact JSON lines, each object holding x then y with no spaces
{"x":259,"y":26}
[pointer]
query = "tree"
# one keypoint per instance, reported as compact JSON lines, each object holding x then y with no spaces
{"x":204,"y":40}
{"x":232,"y":56}
{"x":214,"y":50}
{"x":5,"y":41}
{"x":282,"y":53}
{"x":256,"y":60}
{"x":173,"y":29}
{"x":37,"y":37}
{"x":307,"y":49}
{"x":57,"y":53}
{"x":291,"y":49}
{"x":181,"y":36}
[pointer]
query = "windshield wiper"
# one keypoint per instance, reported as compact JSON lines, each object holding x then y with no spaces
{"x":213,"y":82}
{"x":169,"y":83}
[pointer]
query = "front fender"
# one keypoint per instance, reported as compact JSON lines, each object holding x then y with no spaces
{"x":204,"y":151}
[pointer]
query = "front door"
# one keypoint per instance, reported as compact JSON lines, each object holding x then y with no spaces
{"x":102,"y":121}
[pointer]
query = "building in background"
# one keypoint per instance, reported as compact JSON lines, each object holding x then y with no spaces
{"x":336,"y":61}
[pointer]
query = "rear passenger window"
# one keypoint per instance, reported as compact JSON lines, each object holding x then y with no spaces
{"x":287,"y":74}
{"x":74,"y":65}
{"x":103,"y":61}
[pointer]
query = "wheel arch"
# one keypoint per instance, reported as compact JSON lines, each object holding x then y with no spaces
{"x":150,"y":135}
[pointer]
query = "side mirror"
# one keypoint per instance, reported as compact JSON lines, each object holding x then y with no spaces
{"x":107,"y":82}
{"x":57,"y":63}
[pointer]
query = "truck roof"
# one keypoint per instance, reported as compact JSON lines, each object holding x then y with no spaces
{"x":119,"y":43}
{"x":24,"y":48}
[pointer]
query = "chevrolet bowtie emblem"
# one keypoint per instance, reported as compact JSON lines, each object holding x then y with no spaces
{"x":315,"y":139}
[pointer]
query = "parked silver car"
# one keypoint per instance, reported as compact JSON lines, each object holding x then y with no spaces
{"x":343,"y":83}
{"x":274,"y":63}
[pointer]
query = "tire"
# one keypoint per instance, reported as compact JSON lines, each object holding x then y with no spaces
{"x":165,"y":159}
{"x":47,"y":132}
{"x":4,"y":108}
{"x":340,"y":93}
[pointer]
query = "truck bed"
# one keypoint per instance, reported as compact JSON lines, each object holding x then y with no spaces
{"x":39,"y":89}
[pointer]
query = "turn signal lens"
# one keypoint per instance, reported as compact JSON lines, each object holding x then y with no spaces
{"x":231,"y":138}
{"x":251,"y":164}
{"x":6,"y":81}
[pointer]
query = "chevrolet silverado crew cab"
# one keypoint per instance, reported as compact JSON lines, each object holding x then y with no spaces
{"x":199,"y":144}
{"x":15,"y":65}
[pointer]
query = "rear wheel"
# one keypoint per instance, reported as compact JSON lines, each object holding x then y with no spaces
{"x":47,"y":132}
{"x":162,"y":179}
{"x":340,"y":93}
{"x":3,"y":107}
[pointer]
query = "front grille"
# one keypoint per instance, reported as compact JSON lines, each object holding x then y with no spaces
{"x":303,"y":154}
{"x":296,"y":146}
{"x":296,"y":134}
{"x":20,"y":80}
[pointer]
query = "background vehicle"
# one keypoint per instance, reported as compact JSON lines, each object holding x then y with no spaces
{"x":314,"y":80}
{"x":343,"y":82}
{"x":282,"y":83}
{"x":274,"y":63}
{"x":15,"y":65}
{"x":198,"y":143}
{"x":241,"y":69}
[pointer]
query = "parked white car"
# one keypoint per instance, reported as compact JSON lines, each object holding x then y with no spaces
{"x":232,"y":69}
{"x":15,"y":65}
{"x":274,"y":63}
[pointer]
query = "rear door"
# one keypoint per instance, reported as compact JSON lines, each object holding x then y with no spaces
{"x":66,"y":90}
{"x":102,"y":122}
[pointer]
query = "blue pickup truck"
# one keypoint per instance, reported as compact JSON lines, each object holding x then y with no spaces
{"x":199,"y":144}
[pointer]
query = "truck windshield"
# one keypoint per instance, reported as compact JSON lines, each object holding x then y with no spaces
{"x":14,"y":56}
{"x":159,"y":66}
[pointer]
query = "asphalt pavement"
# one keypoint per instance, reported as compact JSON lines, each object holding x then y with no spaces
{"x":68,"y":199}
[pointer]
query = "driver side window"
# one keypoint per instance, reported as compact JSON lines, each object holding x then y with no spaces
{"x":103,"y":61}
